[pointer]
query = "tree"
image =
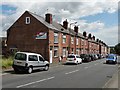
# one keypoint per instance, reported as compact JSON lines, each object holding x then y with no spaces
{"x":117,"y":49}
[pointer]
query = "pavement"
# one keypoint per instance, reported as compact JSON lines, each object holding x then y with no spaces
{"x":114,"y":81}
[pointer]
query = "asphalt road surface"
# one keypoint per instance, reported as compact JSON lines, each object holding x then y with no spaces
{"x":94,"y":74}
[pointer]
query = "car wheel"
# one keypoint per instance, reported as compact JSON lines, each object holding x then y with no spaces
{"x":46,"y":68}
{"x":30,"y":69}
{"x":77,"y":63}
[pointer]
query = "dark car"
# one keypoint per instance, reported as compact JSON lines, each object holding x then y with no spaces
{"x":85,"y":57}
{"x":92,"y":57}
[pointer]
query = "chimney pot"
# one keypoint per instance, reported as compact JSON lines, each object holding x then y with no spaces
{"x":76,"y":29}
{"x":48,"y":18}
{"x":65,"y":24}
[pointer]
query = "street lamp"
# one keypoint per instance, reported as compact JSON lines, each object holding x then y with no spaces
{"x":72,"y":23}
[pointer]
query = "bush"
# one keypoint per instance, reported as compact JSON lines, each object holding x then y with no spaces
{"x":6,"y":62}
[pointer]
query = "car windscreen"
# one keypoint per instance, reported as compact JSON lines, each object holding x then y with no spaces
{"x":71,"y":56}
{"x":110,"y":57}
{"x":20,"y":56}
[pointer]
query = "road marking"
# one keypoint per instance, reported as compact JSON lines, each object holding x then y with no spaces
{"x":96,"y":64}
{"x":34,"y":82}
{"x":72,"y":72}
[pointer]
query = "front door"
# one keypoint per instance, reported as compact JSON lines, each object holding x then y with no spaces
{"x":50,"y":56}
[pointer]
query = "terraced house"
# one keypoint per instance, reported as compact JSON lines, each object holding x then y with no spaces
{"x":33,"y":33}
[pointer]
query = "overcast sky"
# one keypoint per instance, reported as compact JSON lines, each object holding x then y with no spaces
{"x":100,"y":18}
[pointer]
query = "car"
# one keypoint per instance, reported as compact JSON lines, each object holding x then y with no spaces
{"x":85,"y":57}
{"x":73,"y":58}
{"x":25,"y":61}
{"x":111,"y":58}
{"x":92,"y":57}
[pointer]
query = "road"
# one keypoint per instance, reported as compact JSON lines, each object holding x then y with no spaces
{"x":94,"y":74}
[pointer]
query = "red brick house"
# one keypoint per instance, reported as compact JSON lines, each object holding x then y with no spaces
{"x":33,"y":33}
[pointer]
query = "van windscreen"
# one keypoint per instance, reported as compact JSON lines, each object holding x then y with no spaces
{"x":20,"y":56}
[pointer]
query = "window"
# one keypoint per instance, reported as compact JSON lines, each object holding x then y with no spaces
{"x":55,"y":37}
{"x":33,"y":58}
{"x":41,"y":59}
{"x":64,"y":38}
{"x":20,"y":56}
{"x":72,"y":40}
{"x":27,"y":21}
{"x":55,"y":51}
{"x":77,"y":41}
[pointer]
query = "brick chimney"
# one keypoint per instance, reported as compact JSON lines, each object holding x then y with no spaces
{"x":65,"y":24}
{"x":84,"y":34}
{"x":76,"y":29}
{"x":93,"y":37}
{"x":89,"y":36}
{"x":48,"y":18}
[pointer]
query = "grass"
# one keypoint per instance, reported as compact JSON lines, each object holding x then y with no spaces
{"x":6,"y":62}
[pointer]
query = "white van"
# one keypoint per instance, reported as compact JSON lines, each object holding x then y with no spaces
{"x":25,"y":61}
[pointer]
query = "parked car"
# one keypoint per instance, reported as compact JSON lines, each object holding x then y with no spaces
{"x":28,"y":62}
{"x":92,"y":57}
{"x":99,"y":56}
{"x":85,"y":57}
{"x":72,"y":58}
{"x":111,"y":58}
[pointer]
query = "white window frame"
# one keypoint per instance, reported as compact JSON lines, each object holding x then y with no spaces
{"x":27,"y":20}
{"x":77,"y":41}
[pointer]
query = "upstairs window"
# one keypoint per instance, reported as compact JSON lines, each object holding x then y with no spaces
{"x":64,"y":38}
{"x":27,"y":20}
{"x":55,"y":37}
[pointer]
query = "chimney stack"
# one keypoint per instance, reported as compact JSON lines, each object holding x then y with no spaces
{"x":89,"y":36}
{"x":93,"y":37}
{"x":65,"y":24}
{"x":84,"y":34}
{"x":76,"y":29}
{"x":48,"y":18}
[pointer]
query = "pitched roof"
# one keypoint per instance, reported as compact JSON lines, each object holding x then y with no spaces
{"x":55,"y":26}
{"x":42,"y":20}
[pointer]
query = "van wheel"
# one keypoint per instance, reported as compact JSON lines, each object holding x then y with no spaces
{"x":46,"y":68}
{"x":30,"y":70}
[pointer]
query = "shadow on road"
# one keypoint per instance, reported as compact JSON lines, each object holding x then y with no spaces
{"x":21,"y":73}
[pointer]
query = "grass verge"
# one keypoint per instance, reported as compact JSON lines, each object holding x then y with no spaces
{"x":6,"y":62}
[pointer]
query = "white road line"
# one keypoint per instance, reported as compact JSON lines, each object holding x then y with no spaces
{"x":96,"y":64}
{"x":34,"y":82}
{"x":72,"y":72}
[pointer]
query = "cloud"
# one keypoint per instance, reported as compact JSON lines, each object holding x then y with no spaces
{"x":108,"y":35}
{"x":63,"y":10}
